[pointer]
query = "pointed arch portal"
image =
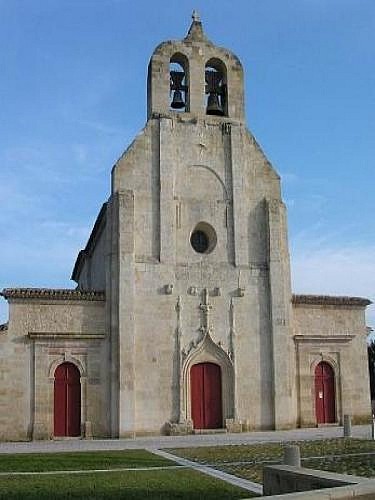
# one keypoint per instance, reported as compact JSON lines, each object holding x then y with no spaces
{"x":325,"y":394}
{"x":67,"y":401}
{"x":206,"y":402}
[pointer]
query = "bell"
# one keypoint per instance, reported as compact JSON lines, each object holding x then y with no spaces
{"x":213,"y":105}
{"x":177,"y":102}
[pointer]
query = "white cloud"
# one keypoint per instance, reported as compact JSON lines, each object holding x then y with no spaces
{"x":334,"y":270}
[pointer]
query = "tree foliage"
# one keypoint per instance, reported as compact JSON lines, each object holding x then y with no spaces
{"x":371,"y":367}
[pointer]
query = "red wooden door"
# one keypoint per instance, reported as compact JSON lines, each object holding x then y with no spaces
{"x":325,"y":394}
{"x":206,"y":406}
{"x":67,"y":401}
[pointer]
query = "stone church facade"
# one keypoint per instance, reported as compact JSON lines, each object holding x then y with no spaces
{"x":183,"y":318}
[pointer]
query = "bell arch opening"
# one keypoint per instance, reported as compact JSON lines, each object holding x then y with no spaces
{"x":179,"y":83}
{"x":216,"y":95}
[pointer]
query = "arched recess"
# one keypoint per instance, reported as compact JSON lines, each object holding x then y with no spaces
{"x":66,"y":358}
{"x":179,"y":95}
{"x":216,"y":92}
{"x":325,"y":393}
{"x":208,"y":352}
{"x":67,"y":401}
{"x":225,"y":195}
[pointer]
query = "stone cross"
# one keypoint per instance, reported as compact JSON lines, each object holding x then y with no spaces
{"x":205,"y":307}
{"x":195,"y":16}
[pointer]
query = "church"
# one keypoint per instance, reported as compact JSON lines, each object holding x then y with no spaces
{"x":183,"y":319}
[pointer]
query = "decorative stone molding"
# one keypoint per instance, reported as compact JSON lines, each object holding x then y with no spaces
{"x":319,"y":339}
{"x":65,"y":358}
{"x":333,"y":359}
{"x":327,"y":359}
{"x":205,"y":307}
{"x":206,"y":350}
{"x":328,"y":300}
{"x":52,"y":294}
{"x":66,"y":336}
{"x":232,"y":331}
{"x":168,"y":289}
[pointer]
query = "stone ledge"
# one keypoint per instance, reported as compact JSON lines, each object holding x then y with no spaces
{"x":65,"y":336}
{"x":323,"y":338}
{"x":284,"y":481}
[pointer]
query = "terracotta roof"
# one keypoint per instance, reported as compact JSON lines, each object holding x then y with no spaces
{"x":51,"y":293}
{"x":330,"y":300}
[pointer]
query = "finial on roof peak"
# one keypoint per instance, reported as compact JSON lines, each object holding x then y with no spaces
{"x":196,"y":17}
{"x":196,"y":31}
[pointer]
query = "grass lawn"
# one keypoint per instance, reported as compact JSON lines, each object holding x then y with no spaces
{"x":80,"y":461}
{"x":257,"y":455}
{"x":166,"y":485}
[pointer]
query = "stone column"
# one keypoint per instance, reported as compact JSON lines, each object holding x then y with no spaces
{"x":126,"y":319}
{"x":167,"y":210}
{"x":283,"y":350}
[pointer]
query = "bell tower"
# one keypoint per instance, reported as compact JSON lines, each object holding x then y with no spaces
{"x":196,"y":77}
{"x":199,"y":264}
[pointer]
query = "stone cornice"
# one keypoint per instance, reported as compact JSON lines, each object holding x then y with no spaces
{"x":330,"y":300}
{"x":343,"y":338}
{"x":65,"y":336}
{"x":52,"y":294}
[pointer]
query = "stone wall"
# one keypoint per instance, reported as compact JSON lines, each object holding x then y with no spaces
{"x":42,"y":333}
{"x":285,"y":481}
{"x":335,"y":333}
{"x":203,"y":182}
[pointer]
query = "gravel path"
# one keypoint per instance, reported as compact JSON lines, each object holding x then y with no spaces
{"x":157,"y":442}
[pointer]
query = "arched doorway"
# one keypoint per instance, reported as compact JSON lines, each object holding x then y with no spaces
{"x":67,"y":401}
{"x":325,"y":394}
{"x":206,"y":403}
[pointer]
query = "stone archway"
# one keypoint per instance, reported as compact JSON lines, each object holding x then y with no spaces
{"x":205,"y":353}
{"x":325,"y":399}
{"x":206,"y":396}
{"x":67,"y":401}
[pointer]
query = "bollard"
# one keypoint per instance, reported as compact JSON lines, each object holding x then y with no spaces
{"x":347,"y":426}
{"x":292,"y":455}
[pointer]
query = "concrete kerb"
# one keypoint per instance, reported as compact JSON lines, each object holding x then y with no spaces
{"x":209,"y":471}
{"x":90,"y":471}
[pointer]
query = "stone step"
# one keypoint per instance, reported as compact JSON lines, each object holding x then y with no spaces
{"x":209,"y":431}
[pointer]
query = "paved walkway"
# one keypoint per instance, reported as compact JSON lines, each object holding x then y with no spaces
{"x":157,"y":442}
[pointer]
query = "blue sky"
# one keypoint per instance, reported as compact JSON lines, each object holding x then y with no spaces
{"x":73,"y":96}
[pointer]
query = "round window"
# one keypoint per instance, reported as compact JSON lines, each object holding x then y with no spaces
{"x":203,"y":238}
